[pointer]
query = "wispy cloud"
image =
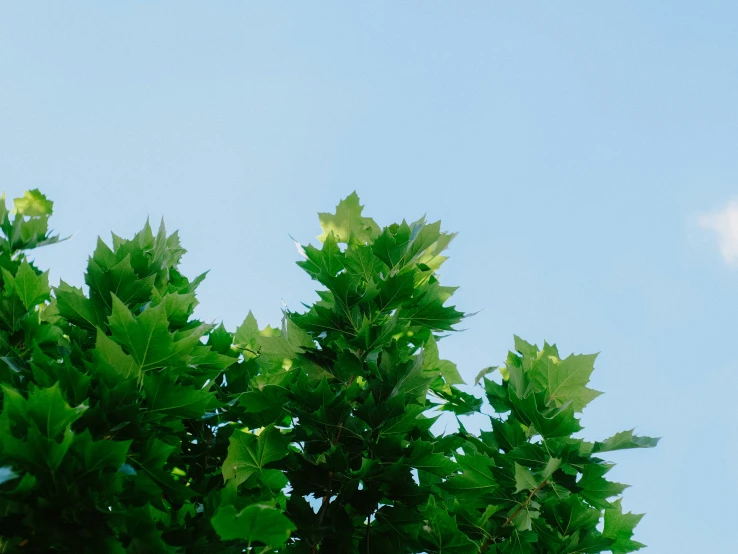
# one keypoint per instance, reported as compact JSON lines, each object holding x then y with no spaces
{"x":724,"y":223}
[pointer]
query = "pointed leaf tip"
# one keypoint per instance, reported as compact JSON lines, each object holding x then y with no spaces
{"x":348,"y":221}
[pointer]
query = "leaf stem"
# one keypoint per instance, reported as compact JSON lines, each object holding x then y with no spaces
{"x":524,"y":504}
{"x":488,"y":541}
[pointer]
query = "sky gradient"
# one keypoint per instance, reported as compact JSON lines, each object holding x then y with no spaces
{"x":585,"y":153}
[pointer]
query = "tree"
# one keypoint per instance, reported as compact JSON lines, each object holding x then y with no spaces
{"x":127,"y":425}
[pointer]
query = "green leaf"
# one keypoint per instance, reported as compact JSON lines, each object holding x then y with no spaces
{"x":76,"y":307}
{"x":442,"y":532}
{"x":595,"y":488}
{"x":548,"y":422}
{"x":110,"y":352}
{"x":3,"y":210}
{"x":395,"y":291}
{"x":99,"y":455}
{"x":120,"y":280}
{"x":484,"y":372}
{"x":247,"y":332}
{"x":33,"y":204}
{"x":267,"y":398}
{"x":525,"y":348}
{"x":456,"y":401}
{"x":565,"y":380}
{"x":572,"y":514}
{"x":523,"y":520}
{"x":361,"y":262}
{"x":424,"y":238}
{"x":249,"y":454}
{"x":50,"y":411}
{"x":414,"y":382}
{"x":587,"y":541}
{"x":476,"y":476}
{"x":430,"y":312}
{"x":348,"y":221}
{"x":524,"y":479}
{"x":623,"y":441}
{"x":424,"y":459}
{"x":448,"y":369}
{"x":165,"y":395}
{"x":619,"y":526}
{"x":147,"y":336}
{"x":31,"y":288}
{"x":254,"y":523}
{"x":497,"y":395}
{"x":551,"y":466}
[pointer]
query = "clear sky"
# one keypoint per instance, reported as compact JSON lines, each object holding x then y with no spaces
{"x":585,"y":152}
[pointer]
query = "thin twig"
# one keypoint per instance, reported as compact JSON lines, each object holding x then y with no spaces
{"x":488,"y":541}
{"x":524,"y":504}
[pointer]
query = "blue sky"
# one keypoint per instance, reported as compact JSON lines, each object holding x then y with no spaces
{"x":584,"y":151}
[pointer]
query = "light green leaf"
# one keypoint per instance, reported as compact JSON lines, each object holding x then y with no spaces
{"x":247,"y":332}
{"x":523,"y":521}
{"x":348,"y":221}
{"x":484,"y":372}
{"x":524,"y":479}
{"x":623,"y":441}
{"x":566,"y":380}
{"x":551,"y":466}
{"x":33,"y":204}
{"x":525,"y":348}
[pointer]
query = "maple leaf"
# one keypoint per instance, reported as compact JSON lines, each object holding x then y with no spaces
{"x":147,"y":336}
{"x":348,"y":221}
{"x":249,"y":454}
{"x":619,"y":527}
{"x":565,"y":380}
{"x":254,"y":523}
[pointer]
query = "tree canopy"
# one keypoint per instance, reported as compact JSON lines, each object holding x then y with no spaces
{"x":127,"y":425}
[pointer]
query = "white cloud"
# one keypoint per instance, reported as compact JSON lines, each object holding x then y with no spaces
{"x":724,"y":223}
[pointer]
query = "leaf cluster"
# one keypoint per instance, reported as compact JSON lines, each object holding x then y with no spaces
{"x":128,"y":425}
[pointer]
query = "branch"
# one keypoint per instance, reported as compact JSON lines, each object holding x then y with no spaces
{"x":326,"y":498}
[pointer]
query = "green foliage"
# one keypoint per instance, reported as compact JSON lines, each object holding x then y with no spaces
{"x":110,"y":400}
{"x":127,"y":425}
